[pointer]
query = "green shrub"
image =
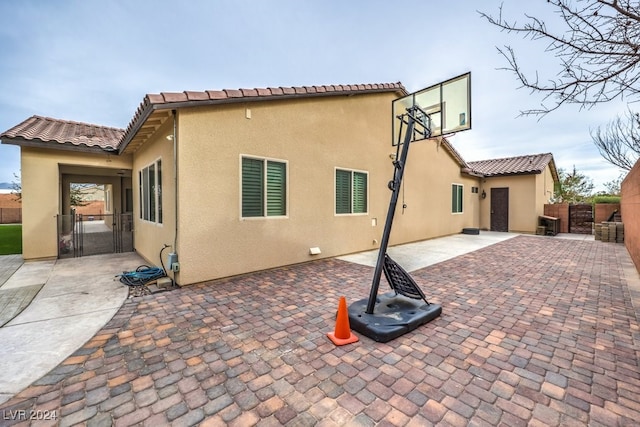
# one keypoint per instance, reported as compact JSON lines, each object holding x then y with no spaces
{"x":606,"y":199}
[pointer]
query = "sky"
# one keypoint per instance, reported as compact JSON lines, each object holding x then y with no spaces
{"x":93,"y":61}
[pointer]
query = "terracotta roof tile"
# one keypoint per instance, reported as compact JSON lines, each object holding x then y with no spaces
{"x":233,"y":93}
{"x":153,"y":99}
{"x":519,"y":165}
{"x":174,"y":96}
{"x":216,"y":94}
{"x":196,"y":96}
{"x":63,"y":132}
{"x":249,"y":92}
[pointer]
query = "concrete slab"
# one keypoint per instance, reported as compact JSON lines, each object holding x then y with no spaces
{"x":79,"y":296}
{"x":30,"y":350}
{"x":30,"y":273}
{"x":414,"y":256}
{"x":13,"y":301}
{"x":8,"y":265}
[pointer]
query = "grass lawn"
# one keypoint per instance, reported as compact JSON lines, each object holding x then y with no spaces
{"x":10,"y":239}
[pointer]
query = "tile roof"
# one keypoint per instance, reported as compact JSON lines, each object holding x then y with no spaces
{"x":519,"y":165}
{"x":170,"y":100}
{"x":58,"y":133}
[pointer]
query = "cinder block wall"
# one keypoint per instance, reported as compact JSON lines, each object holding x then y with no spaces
{"x":559,"y":211}
{"x":604,"y":210}
{"x":630,"y":209}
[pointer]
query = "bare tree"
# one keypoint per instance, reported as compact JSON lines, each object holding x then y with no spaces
{"x":619,"y":141}
{"x":598,"y":52}
{"x":16,"y":187}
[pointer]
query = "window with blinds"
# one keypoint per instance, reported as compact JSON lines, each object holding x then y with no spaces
{"x":456,"y":198}
{"x":351,"y":192}
{"x":264,"y":187}
{"x":150,"y":181}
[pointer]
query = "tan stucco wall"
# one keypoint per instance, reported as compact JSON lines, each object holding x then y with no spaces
{"x":42,"y":194}
{"x":150,"y":237}
{"x":314,"y":137}
{"x":527,"y":196}
{"x":544,"y":190}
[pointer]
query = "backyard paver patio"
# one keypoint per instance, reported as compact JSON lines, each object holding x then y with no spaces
{"x":534,"y":331}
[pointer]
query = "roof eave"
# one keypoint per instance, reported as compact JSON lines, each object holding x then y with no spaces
{"x":37,"y":143}
{"x":554,"y":170}
{"x":468,"y":171}
{"x":492,"y":175}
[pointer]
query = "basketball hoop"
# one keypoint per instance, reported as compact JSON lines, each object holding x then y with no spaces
{"x":433,"y":112}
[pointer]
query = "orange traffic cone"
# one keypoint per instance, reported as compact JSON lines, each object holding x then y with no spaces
{"x":342,"y":334}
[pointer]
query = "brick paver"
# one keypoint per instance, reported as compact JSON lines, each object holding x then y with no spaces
{"x":534,"y":331}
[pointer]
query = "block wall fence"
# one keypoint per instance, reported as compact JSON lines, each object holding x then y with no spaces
{"x":630,"y":209}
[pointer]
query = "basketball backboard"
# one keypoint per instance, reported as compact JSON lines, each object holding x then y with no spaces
{"x":445,"y":109}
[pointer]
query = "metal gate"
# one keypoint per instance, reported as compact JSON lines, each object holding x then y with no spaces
{"x":83,"y":235}
{"x":581,"y":219}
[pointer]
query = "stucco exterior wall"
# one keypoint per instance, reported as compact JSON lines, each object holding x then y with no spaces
{"x":314,"y":137}
{"x":527,"y":196}
{"x":543,"y":191}
{"x":151,"y":237}
{"x":429,"y":175}
{"x":42,"y":194}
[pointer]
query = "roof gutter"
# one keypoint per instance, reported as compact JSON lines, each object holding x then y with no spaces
{"x":469,"y":171}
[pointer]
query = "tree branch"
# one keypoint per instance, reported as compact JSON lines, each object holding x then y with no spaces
{"x":598,"y":53}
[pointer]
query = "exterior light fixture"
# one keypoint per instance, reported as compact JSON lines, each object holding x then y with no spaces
{"x":483,"y":195}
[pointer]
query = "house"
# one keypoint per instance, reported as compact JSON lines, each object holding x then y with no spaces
{"x":517,"y":188}
{"x":235,"y":181}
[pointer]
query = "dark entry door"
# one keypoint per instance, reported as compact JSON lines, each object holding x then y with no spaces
{"x":499,"y":209}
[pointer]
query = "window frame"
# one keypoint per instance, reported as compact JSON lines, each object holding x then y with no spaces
{"x":147,"y":204}
{"x":352,"y":193}
{"x":265,"y":187}
{"x":457,"y":205}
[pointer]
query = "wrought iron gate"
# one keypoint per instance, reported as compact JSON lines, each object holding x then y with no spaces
{"x":581,"y":219}
{"x":83,"y":235}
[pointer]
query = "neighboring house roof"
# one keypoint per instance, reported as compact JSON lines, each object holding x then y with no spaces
{"x":519,"y":165}
{"x":63,"y":134}
{"x":155,"y":109}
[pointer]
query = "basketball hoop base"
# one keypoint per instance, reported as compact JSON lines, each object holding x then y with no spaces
{"x":394,"y":316}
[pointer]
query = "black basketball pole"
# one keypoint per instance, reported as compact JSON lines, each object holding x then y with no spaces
{"x":394,"y":185}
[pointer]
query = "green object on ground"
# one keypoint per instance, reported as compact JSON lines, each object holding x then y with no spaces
{"x":10,"y":239}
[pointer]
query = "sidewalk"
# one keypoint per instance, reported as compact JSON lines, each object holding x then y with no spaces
{"x":51,"y":309}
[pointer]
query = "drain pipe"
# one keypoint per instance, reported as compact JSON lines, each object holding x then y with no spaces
{"x":174,"y":265}
{"x":175,"y":176}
